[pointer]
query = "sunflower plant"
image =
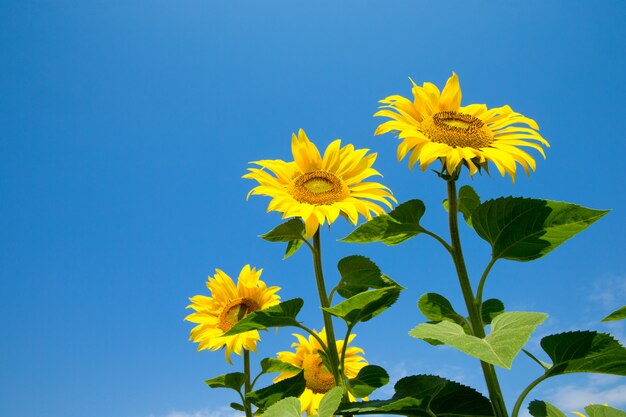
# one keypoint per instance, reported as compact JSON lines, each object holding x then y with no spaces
{"x":323,"y":376}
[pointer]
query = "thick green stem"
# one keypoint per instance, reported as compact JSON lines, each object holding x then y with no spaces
{"x":247,"y":385}
{"x":493,"y":386}
{"x":520,"y":400}
{"x":328,"y":322}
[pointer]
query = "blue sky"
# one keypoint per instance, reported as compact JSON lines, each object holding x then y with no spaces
{"x":125,"y":128}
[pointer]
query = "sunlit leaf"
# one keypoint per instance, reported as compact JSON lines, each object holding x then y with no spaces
{"x":280,"y":315}
{"x":468,"y":201}
{"x":370,"y":378}
{"x":358,"y":274}
{"x":276,"y":365}
{"x":287,"y":407}
{"x":597,"y":410}
{"x":365,"y":305}
{"x":290,"y":387}
{"x":330,"y":402}
{"x":619,"y":314}
{"x":234,"y":380}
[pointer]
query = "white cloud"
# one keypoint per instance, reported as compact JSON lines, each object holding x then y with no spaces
{"x":609,"y":292}
{"x":221,"y":412}
{"x":600,"y":389}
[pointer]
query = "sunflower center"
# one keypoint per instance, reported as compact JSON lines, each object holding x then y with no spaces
{"x":318,"y":378}
{"x":318,"y":187}
{"x":457,"y":130}
{"x":235,"y":311}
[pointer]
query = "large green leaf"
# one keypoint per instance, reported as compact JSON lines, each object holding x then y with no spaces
{"x":619,"y":314}
{"x":358,"y":274}
{"x":287,"y":407}
{"x":365,"y":305}
{"x":393,"y":228}
{"x":509,"y":333}
{"x":276,"y":365}
{"x":468,"y":202}
{"x":233,"y":380}
{"x":292,"y":232}
{"x":330,"y":402}
{"x":597,"y":410}
{"x":544,"y":409}
{"x":290,"y":387}
{"x":370,"y":378}
{"x":584,"y":352}
{"x":523,"y":229}
{"x":426,"y":396}
{"x":280,"y":315}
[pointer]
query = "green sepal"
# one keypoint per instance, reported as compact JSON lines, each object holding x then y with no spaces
{"x":538,"y":408}
{"x":509,"y":333}
{"x":584,"y":351}
{"x":619,"y":314}
{"x":468,"y":202}
{"x":400,"y":224}
{"x":369,"y":378}
{"x":290,"y":387}
{"x":237,"y":406}
{"x":358,"y":274}
{"x":491,"y":309}
{"x":292,"y":232}
{"x":523,"y":229}
{"x":287,"y":407}
{"x":363,"y":306}
{"x":423,"y":396}
{"x":234,"y":380}
{"x":597,"y":410}
{"x":276,"y":365}
{"x":280,"y":315}
{"x":330,"y":402}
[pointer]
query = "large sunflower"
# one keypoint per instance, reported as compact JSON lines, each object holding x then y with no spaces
{"x":229,"y":303}
{"x":318,"y":189}
{"x":319,"y":380}
{"x":435,"y":126}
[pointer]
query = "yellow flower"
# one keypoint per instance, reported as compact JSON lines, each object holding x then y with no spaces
{"x":318,"y":189}
{"x":319,"y":380}
{"x":229,"y":303}
{"x":434,"y":125}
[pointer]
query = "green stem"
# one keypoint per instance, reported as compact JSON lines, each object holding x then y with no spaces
{"x":520,"y":400}
{"x":247,"y":385}
{"x":481,"y":284}
{"x":315,"y":335}
{"x":344,"y":348}
{"x":493,"y":386}
{"x":325,"y":303}
{"x":438,"y":239}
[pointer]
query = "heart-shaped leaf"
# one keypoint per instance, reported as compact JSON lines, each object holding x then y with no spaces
{"x":276,"y":365}
{"x":370,"y":378}
{"x":358,"y":274}
{"x":523,"y":229}
{"x":280,"y":315}
{"x":233,"y":380}
{"x":292,"y":232}
{"x":290,"y":387}
{"x":468,"y":202}
{"x":330,"y":402}
{"x":509,"y":333}
{"x":365,"y":305}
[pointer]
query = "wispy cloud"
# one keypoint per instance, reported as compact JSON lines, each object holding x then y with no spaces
{"x":609,"y":292}
{"x":599,"y":389}
{"x":220,"y":412}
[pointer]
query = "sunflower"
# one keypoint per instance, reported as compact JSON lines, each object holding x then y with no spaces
{"x":434,"y":125}
{"x":318,"y":189}
{"x":319,"y":380}
{"x":229,"y":303}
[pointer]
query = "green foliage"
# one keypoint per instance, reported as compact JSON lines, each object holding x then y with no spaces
{"x":509,"y":333}
{"x":292,"y":232}
{"x":544,"y":409}
{"x":619,"y":314}
{"x":233,"y":380}
{"x":330,"y":402}
{"x":491,"y":309}
{"x":276,"y":365}
{"x":290,"y":387}
{"x":436,"y":307}
{"x":523,"y":229}
{"x":393,"y":228}
{"x":584,"y":352}
{"x":237,"y":406}
{"x":596,"y":410}
{"x":358,"y":274}
{"x":280,"y":315}
{"x":365,"y":305}
{"x":370,"y":378}
{"x":287,"y":407}
{"x":426,"y":396}
{"x":468,"y":201}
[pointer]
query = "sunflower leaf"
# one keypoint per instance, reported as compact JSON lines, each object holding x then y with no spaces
{"x":233,"y":380}
{"x":619,"y":314}
{"x":287,"y":407}
{"x":358,"y":274}
{"x":597,"y":410}
{"x":400,"y":224}
{"x":276,"y":365}
{"x":585,"y":351}
{"x":292,"y":247}
{"x":280,"y":315}
{"x":468,"y":202}
{"x":330,"y":402}
{"x":538,"y":408}
{"x":436,"y":307}
{"x":237,"y":406}
{"x":509,"y":333}
{"x":370,"y":378}
{"x":491,"y":309}
{"x":365,"y":305}
{"x":290,"y":230}
{"x":425,"y":395}
{"x":523,"y":229}
{"x":290,"y":387}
